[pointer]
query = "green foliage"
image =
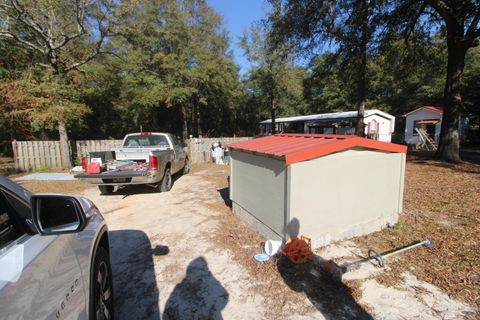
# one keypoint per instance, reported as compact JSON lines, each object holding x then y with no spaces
{"x":168,"y":68}
{"x":274,"y":85}
{"x":41,"y":98}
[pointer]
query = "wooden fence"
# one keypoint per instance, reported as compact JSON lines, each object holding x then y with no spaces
{"x":200,"y":149}
{"x":29,"y":155}
{"x":35,"y":155}
{"x":85,"y":146}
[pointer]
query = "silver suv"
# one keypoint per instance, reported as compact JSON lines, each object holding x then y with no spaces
{"x":54,"y":257}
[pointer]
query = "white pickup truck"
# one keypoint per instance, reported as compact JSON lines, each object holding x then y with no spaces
{"x":149,"y":158}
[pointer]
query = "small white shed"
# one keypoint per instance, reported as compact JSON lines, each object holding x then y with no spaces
{"x":333,"y":186}
{"x":428,"y":118}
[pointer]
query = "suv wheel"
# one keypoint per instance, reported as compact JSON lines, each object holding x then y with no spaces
{"x":105,"y":189}
{"x":102,"y":288}
{"x":166,"y":183}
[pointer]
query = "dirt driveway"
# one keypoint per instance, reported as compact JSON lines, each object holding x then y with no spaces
{"x":164,"y":261}
{"x":183,"y":255}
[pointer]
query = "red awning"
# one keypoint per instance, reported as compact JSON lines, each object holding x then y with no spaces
{"x":428,"y":121}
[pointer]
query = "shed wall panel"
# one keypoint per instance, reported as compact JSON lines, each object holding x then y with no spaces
{"x":346,"y":194}
{"x":258,"y":186}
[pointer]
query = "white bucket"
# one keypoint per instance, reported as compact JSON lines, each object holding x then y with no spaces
{"x":272,"y":247}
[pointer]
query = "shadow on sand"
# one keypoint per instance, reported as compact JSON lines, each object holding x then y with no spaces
{"x":225,"y":194}
{"x":134,"y":283}
{"x":333,"y":299}
{"x":199,"y":296}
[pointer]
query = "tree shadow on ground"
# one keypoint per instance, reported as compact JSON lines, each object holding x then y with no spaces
{"x":199,"y":296}
{"x":135,"y":287}
{"x":225,"y":194}
{"x":333,"y":299}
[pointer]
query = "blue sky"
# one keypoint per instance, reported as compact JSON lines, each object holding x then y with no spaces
{"x":238,"y":16}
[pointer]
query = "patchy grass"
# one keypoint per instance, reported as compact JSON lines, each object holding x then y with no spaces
{"x":65,"y":187}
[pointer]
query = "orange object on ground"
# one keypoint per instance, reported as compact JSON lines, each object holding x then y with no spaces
{"x":298,"y":250}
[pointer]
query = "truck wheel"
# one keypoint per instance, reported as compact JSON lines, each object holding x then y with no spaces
{"x":186,"y":166}
{"x":102,"y":287}
{"x":166,"y":183}
{"x":105,"y":189}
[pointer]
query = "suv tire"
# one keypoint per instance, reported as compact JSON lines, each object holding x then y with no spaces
{"x":101,"y":297}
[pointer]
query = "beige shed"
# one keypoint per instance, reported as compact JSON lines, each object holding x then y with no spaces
{"x":333,"y":186}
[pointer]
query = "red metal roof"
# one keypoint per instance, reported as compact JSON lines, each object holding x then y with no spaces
{"x":438,"y":109}
{"x":300,"y":147}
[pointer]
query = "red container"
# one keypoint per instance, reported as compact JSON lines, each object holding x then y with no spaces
{"x":93,"y":167}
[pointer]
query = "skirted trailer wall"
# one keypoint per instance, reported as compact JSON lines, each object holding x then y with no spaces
{"x":334,"y":187}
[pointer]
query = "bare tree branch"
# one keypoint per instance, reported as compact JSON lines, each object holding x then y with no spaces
{"x":411,"y":24}
{"x":473,"y":31}
{"x":25,"y":17}
{"x":10,"y":35}
{"x":89,"y":57}
{"x":443,"y":10}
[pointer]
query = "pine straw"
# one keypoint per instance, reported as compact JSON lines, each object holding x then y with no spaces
{"x":441,"y":203}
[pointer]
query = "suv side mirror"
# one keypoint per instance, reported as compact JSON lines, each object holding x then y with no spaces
{"x":59,"y":214}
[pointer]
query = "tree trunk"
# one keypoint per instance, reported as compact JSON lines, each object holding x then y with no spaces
{"x":64,"y":148}
{"x":198,"y":122}
{"x":183,"y":111}
{"x":449,"y":146}
{"x":362,"y":72}
{"x":273,"y":109}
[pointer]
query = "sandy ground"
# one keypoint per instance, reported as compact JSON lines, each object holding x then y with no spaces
{"x":183,"y":255}
{"x":167,"y":265}
{"x":163,"y":260}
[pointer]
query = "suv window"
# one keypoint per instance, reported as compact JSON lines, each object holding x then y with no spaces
{"x":8,"y":230}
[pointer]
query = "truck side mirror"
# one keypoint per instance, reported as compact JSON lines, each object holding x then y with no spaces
{"x":59,"y":214}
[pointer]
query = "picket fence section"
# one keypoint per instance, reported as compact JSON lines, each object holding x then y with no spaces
{"x":200,"y":148}
{"x":86,"y":146}
{"x":29,"y":155}
{"x":38,"y":155}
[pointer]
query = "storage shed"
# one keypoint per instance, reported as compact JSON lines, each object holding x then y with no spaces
{"x":333,"y":186}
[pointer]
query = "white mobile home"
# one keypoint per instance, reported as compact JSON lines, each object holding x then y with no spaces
{"x":379,"y":125}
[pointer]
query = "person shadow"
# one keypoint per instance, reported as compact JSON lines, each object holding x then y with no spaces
{"x":136,"y":294}
{"x":198,"y":296}
{"x":331,"y":298}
